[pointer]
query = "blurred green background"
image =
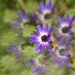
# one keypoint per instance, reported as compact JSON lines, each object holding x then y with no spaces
{"x":8,"y":11}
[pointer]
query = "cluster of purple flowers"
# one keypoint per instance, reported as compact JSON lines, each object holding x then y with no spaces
{"x":44,"y":34}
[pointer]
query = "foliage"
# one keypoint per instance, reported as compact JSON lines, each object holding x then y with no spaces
{"x":8,"y":11}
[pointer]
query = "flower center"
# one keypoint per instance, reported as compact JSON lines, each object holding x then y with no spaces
{"x":47,"y":16}
{"x":62,"y":51}
{"x":44,"y":38}
{"x":65,"y":29}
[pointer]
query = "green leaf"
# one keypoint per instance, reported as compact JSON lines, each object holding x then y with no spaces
{"x":28,"y":30}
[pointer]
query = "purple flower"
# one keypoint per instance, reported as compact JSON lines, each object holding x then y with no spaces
{"x":46,"y":12}
{"x":16,"y":48}
{"x":61,"y":53}
{"x":43,"y":38}
{"x":24,"y":19}
{"x":65,"y":25}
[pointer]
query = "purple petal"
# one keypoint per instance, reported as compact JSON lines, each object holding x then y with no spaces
{"x":63,"y":41}
{"x":22,"y":15}
{"x":68,"y":55}
{"x":38,"y":47}
{"x":49,"y":48}
{"x":72,"y":19}
{"x":43,"y":6}
{"x":11,"y":46}
{"x":17,"y":56}
{"x":36,"y":69}
{"x":31,"y":62}
{"x":61,"y":20}
{"x":50,"y":29}
{"x":67,"y":18}
{"x":42,"y":48}
{"x":18,"y":20}
{"x":37,"y":10}
{"x":70,"y":32}
{"x":50,"y":34}
{"x":35,"y":33}
{"x":32,"y":38}
{"x":34,"y":41}
{"x":50,"y":41}
{"x":59,"y":63}
{"x":67,"y":62}
{"x":70,"y":26}
{"x":16,"y":26}
{"x":39,"y":72}
{"x":14,"y":48}
{"x":70,"y":41}
{"x":53,"y":7}
{"x":49,"y":4}
{"x":40,"y":29}
{"x":46,"y":27}
{"x":55,"y":61}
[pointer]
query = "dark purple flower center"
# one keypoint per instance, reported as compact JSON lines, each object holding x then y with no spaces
{"x":44,"y":38}
{"x":65,"y":29}
{"x":62,"y":51}
{"x":47,"y":16}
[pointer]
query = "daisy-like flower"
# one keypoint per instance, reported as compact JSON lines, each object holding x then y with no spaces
{"x":46,"y":12}
{"x":61,"y":53}
{"x":16,"y":48}
{"x":43,"y":38}
{"x":65,"y":25}
{"x":25,"y":18}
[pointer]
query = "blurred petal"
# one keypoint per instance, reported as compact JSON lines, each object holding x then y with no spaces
{"x":72,"y":19}
{"x":40,"y":29}
{"x":42,"y":49}
{"x":49,"y":48}
{"x":43,"y":6}
{"x":22,"y":15}
{"x":35,"y":33}
{"x":50,"y":29}
{"x":38,"y":47}
{"x":16,"y":26}
{"x":49,"y":4}
{"x":32,"y":38}
{"x":46,"y":27}
{"x":67,"y":62}
{"x":67,"y":18}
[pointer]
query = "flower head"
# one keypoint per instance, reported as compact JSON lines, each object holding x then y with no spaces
{"x":61,"y":53}
{"x":25,"y":18}
{"x":43,"y":38}
{"x":46,"y":12}
{"x":16,"y":48}
{"x":65,"y":25}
